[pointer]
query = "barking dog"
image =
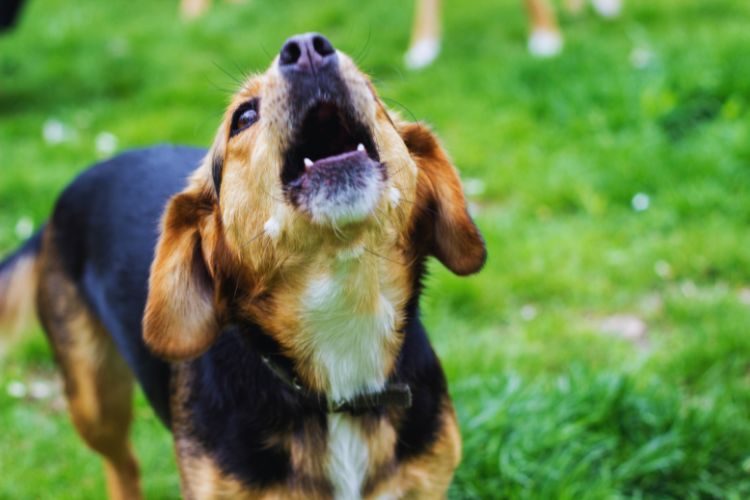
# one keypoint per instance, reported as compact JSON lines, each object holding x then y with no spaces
{"x":275,"y":327}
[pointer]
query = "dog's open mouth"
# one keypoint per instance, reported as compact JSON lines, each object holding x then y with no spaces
{"x":327,"y":135}
{"x":332,"y":168}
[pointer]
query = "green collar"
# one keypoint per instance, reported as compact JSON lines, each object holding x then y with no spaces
{"x":393,"y":394}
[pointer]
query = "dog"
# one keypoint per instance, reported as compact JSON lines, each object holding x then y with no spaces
{"x":263,"y":293}
{"x":545,"y":38}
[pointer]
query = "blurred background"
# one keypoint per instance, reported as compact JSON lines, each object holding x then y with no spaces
{"x":604,"y":350}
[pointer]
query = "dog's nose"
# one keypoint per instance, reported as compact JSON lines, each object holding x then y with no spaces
{"x":308,"y":53}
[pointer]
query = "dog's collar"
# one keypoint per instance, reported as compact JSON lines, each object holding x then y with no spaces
{"x":394,"y":394}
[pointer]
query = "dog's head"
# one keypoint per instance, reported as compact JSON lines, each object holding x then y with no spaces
{"x":308,"y":167}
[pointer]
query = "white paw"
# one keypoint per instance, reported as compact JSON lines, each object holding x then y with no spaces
{"x":607,"y":8}
{"x":545,"y":43}
{"x":422,"y":53}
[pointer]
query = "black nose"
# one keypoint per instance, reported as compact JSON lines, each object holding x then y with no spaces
{"x":308,"y":53}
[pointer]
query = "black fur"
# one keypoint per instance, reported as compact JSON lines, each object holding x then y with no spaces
{"x":106,"y":224}
{"x":106,"y":227}
{"x":217,"y":172}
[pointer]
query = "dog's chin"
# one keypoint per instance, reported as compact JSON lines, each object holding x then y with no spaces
{"x":340,"y":190}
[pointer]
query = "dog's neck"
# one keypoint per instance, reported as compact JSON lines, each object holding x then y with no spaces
{"x":349,"y":317}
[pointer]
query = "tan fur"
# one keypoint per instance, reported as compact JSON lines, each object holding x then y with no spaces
{"x":426,"y":24}
{"x":202,"y":478}
{"x":181,"y":325}
{"x":193,"y":9}
{"x":455,"y":239}
{"x":541,"y":15}
{"x":98,"y":383}
{"x":17,"y":294}
{"x":428,"y":476}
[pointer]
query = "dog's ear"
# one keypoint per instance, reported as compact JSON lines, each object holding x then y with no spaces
{"x":454,"y":239}
{"x":180,"y":321}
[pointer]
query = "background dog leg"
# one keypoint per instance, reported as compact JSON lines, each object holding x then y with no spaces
{"x":545,"y":39}
{"x":607,"y":8}
{"x":98,"y":383}
{"x":191,"y":9}
{"x":425,"y":37}
{"x":574,"y":6}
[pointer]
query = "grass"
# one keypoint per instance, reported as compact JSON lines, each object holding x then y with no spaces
{"x":653,"y":108}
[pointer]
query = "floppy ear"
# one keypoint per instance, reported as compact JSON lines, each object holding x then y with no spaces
{"x":180,"y":321}
{"x":455,"y":239}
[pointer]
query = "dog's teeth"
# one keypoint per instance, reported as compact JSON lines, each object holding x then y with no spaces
{"x":308,"y":162}
{"x":360,"y":147}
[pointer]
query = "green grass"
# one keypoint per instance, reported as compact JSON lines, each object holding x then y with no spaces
{"x":550,"y":407}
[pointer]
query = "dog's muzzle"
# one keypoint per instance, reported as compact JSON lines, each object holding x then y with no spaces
{"x":331,"y":165}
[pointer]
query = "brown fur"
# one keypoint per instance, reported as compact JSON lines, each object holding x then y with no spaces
{"x":98,"y":383}
{"x":455,"y":239}
{"x":17,"y":295}
{"x":181,"y":326}
{"x":428,"y":476}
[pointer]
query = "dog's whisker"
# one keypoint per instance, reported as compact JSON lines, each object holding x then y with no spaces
{"x":217,"y":86}
{"x":371,"y":252}
{"x":235,"y":79}
{"x":402,"y":106}
{"x":365,"y":49}
{"x":265,"y":50}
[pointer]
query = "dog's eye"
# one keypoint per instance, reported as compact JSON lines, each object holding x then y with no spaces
{"x":244,"y":116}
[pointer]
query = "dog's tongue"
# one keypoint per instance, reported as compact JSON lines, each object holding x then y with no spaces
{"x":360,"y":152}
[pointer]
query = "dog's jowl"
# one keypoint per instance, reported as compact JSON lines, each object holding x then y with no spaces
{"x":264,"y":293}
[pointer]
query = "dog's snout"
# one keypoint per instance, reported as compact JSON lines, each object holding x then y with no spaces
{"x":308,"y":53}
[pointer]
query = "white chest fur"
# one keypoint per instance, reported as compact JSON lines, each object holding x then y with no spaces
{"x":347,"y":323}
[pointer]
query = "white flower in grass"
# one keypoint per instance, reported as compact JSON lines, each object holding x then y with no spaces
{"x":627,"y":327}
{"x":474,"y":209}
{"x":641,"y":57}
{"x":118,"y":47}
{"x":663,"y":269}
{"x":53,"y":131}
{"x":689,"y":289}
{"x":40,"y":390}
{"x":16,"y":389}
{"x":607,"y":8}
{"x":640,"y":202}
{"x":106,"y":143}
{"x":473,"y":186}
{"x":24,"y":227}
{"x":529,"y":312}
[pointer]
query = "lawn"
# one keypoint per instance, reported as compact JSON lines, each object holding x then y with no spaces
{"x":604,"y":350}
